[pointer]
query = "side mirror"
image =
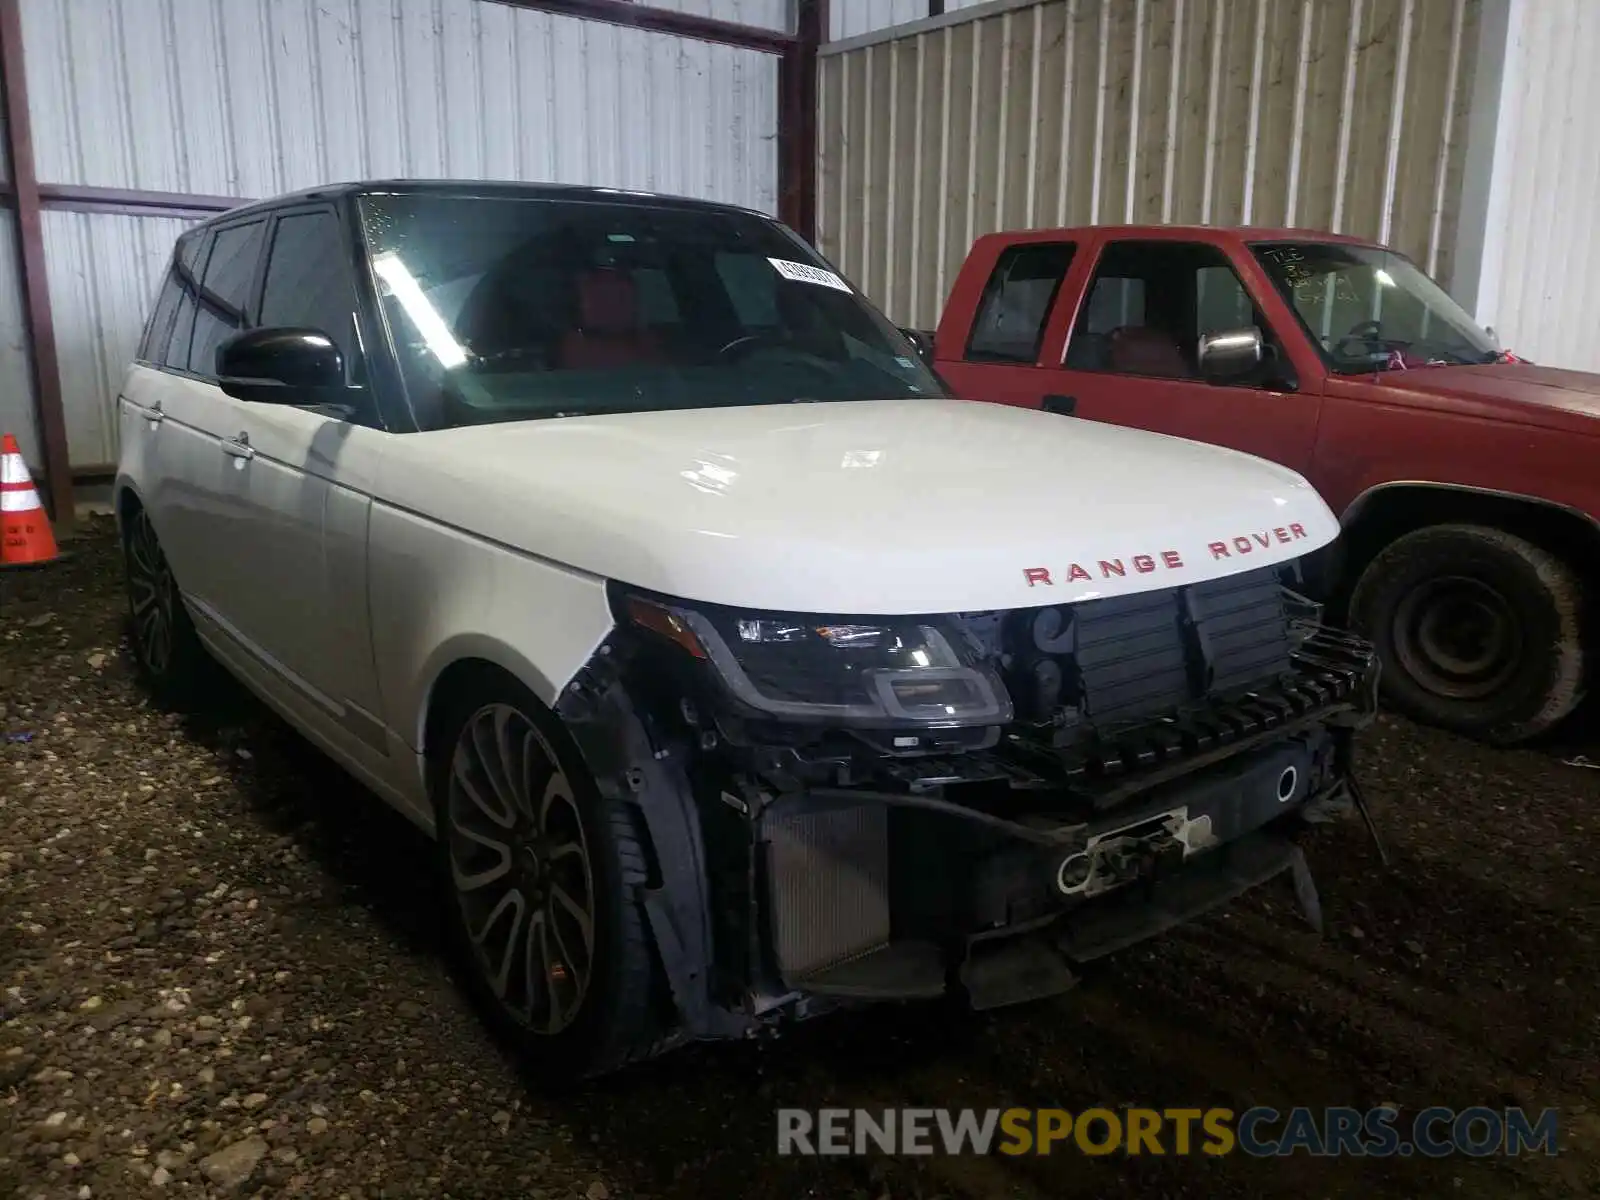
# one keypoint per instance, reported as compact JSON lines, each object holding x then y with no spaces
{"x":282,"y":365}
{"x":1230,"y":353}
{"x":922,"y":340}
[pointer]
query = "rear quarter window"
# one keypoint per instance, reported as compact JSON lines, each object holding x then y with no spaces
{"x":1009,"y":325}
{"x":158,"y":326}
{"x":169,"y":344}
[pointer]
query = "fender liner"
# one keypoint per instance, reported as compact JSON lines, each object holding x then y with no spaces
{"x":629,"y":764}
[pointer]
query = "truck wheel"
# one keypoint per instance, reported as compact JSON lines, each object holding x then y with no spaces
{"x":542,"y":877}
{"x":166,"y":649}
{"x":1479,"y":630}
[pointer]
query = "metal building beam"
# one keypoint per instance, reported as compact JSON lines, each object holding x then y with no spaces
{"x":665,"y":20}
{"x":797,"y":120}
{"x":133,"y":201}
{"x":35,"y":285}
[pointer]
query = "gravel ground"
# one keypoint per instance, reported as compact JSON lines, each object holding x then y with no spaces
{"x":222,"y":974}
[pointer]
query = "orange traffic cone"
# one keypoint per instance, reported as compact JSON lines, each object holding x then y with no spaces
{"x":25,"y":536}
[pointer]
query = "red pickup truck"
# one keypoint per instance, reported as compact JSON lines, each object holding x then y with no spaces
{"x":1467,"y":482}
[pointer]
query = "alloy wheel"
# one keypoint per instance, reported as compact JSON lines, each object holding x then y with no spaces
{"x":520,"y":866}
{"x":152,"y":596}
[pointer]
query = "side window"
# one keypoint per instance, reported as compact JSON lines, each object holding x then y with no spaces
{"x":1114,"y":302}
{"x":1016,"y":302}
{"x":158,"y":328}
{"x":172,"y":349}
{"x":1221,"y":301}
{"x":308,"y":282}
{"x":1149,"y":304}
{"x":224,"y":292}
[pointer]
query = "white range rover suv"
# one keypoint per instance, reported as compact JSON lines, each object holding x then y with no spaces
{"x":737,"y":671}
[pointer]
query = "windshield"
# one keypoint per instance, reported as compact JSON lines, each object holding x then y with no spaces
{"x":1372,"y":310}
{"x":503,"y":309}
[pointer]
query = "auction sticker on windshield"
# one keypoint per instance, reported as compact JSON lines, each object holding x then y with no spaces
{"x":802,"y":273}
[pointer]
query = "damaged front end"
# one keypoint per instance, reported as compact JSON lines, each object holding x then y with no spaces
{"x":858,"y":808}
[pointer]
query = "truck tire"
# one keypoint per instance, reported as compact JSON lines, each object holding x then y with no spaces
{"x":166,"y":649}
{"x":1479,"y":631}
{"x":542,"y":878}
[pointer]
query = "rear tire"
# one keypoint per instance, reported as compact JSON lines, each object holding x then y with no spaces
{"x":166,"y":649}
{"x":542,"y":879}
{"x":1479,"y":630}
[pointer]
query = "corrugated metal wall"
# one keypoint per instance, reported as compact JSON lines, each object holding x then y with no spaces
{"x":851,"y":18}
{"x":103,"y":271}
{"x":1336,"y":114}
{"x":257,"y":97}
{"x":763,"y":14}
{"x":1540,"y":281}
{"x":16,"y":381}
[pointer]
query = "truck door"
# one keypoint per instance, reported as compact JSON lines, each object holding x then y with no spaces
{"x":1130,"y":356}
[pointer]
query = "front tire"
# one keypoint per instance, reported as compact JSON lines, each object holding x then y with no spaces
{"x":543,"y":878}
{"x":1479,"y":631}
{"x":167,"y":651}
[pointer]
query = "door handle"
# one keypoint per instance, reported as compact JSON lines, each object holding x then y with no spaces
{"x":1063,"y":405}
{"x":152,"y":413}
{"x":238,"y":447}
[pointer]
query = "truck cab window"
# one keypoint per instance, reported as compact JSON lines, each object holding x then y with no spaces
{"x":1016,"y":302}
{"x":1149,"y":305}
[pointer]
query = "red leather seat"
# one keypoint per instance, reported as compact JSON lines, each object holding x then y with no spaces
{"x":608,"y":332}
{"x":1140,"y":350}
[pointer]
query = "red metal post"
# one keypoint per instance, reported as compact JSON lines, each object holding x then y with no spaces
{"x":797,"y":120}
{"x":35,"y":285}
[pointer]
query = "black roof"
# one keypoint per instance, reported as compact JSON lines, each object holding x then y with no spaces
{"x":481,"y":187}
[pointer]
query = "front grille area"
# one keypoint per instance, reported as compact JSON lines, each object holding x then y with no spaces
{"x":1126,"y":658}
{"x":1331,"y":676}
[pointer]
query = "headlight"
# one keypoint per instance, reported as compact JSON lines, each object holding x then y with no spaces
{"x":866,"y":671}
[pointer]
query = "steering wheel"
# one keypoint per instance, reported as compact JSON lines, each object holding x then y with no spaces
{"x":741,"y":347}
{"x":1369,"y":335}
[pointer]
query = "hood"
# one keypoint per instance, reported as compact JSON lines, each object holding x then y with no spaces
{"x":1517,"y":392}
{"x":873,"y":507}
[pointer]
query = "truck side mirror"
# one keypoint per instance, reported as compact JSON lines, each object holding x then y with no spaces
{"x":1229,"y":353}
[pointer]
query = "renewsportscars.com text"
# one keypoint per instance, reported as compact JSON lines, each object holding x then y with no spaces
{"x":1261,"y":1132}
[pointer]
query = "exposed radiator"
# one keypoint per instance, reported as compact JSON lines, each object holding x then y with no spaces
{"x":828,"y":874}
